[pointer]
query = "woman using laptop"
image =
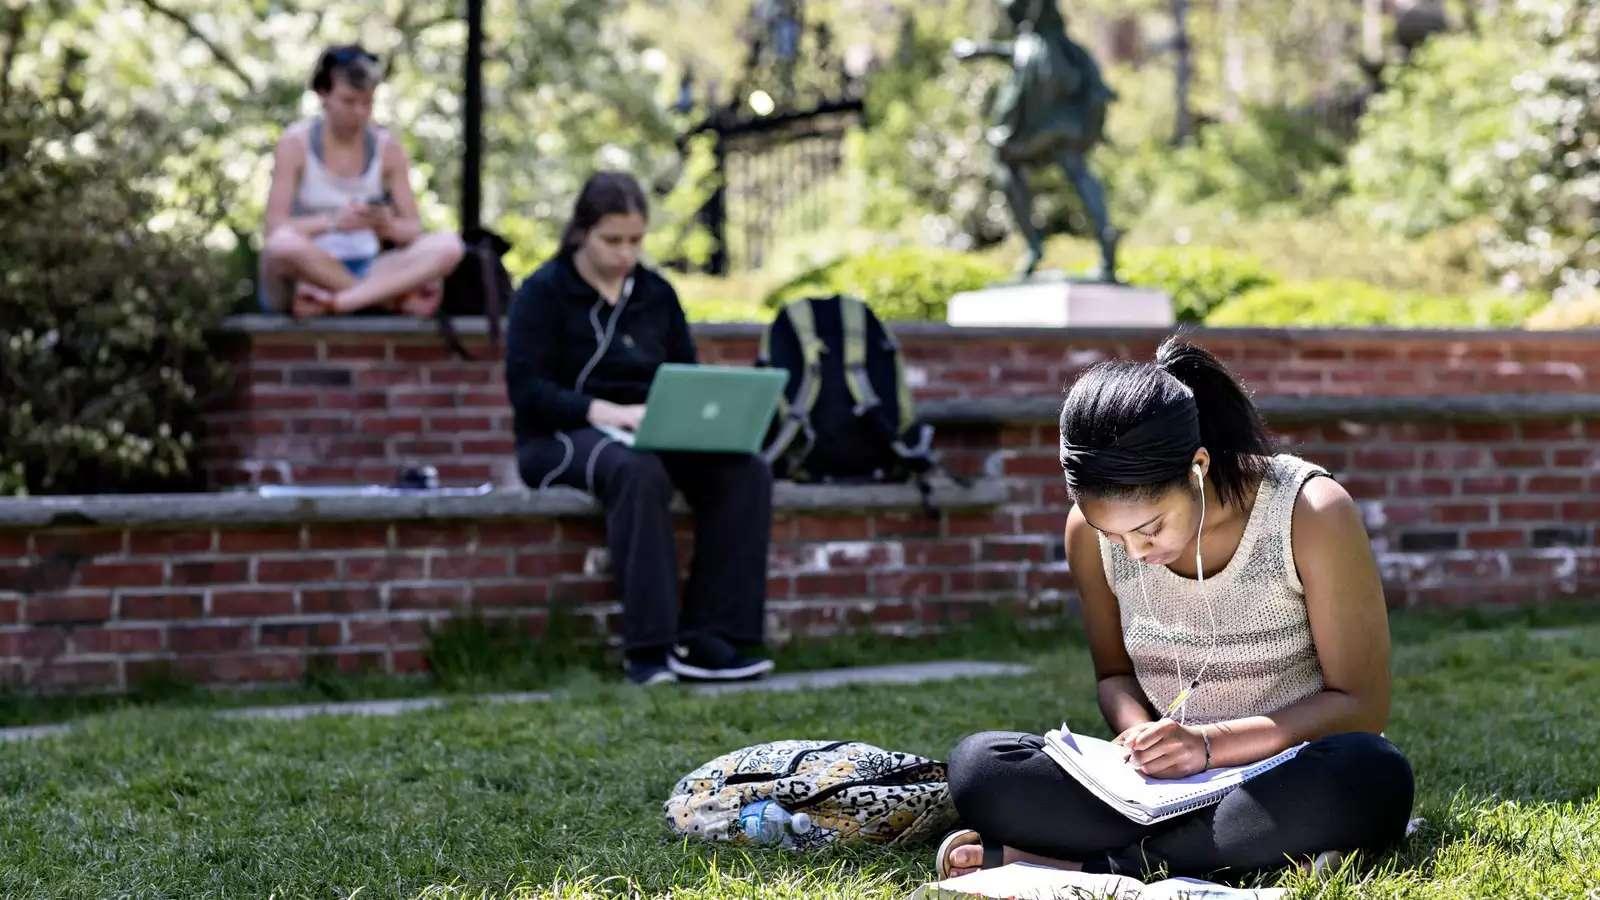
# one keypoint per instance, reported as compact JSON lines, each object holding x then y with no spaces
{"x":585,"y":336}
{"x":1233,"y":610}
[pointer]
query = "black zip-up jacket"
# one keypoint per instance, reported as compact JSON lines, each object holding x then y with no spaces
{"x":560,"y":330}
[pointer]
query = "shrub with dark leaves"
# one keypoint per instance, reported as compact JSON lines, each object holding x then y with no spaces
{"x":106,"y":293}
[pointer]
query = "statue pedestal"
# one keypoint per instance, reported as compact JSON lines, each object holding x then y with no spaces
{"x":1062,"y":304}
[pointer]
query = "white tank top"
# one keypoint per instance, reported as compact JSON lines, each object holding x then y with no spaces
{"x":1264,"y":658}
{"x":322,"y":191}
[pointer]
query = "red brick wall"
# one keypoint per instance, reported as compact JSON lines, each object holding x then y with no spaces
{"x":317,"y":408}
{"x":1461,"y":511}
{"x":86,"y":609}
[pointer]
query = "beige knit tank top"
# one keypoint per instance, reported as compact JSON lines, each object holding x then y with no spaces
{"x":1264,"y":658}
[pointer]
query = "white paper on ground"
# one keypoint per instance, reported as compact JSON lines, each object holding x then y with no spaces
{"x":369,"y":490}
{"x":1024,"y":881}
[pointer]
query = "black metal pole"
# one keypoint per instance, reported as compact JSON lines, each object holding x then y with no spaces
{"x":715,"y":213}
{"x":472,"y":152}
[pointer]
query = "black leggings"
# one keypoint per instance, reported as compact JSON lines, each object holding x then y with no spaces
{"x":1342,"y":792}
{"x":731,"y":496}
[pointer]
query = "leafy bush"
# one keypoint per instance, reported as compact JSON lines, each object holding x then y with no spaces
{"x":1198,"y":279}
{"x":1547,"y":209}
{"x":909,"y":283}
{"x":103,"y":309}
{"x":1343,"y":247}
{"x":1425,"y":157}
{"x":1571,"y":314}
{"x":731,"y":298}
{"x":1271,"y":159}
{"x":928,"y":168}
{"x":1355,"y":304}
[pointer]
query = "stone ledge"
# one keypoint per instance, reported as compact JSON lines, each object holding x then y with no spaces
{"x":224,"y":509}
{"x":477,"y":326}
{"x":1280,"y":410}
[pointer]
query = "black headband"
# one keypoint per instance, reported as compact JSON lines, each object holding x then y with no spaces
{"x":344,"y":56}
{"x":1148,"y":453}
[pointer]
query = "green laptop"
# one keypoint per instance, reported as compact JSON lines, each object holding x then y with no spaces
{"x":706,"y":409}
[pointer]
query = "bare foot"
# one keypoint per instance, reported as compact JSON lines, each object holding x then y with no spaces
{"x":423,"y":301}
{"x":964,"y":855}
{"x":311,"y":300}
{"x":964,"y":859}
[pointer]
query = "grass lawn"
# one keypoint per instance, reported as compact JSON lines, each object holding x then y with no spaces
{"x":563,"y":799}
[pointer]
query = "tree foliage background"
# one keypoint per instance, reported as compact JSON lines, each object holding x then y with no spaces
{"x":1293,"y":132}
{"x":572,"y":84}
{"x":1275,"y":90}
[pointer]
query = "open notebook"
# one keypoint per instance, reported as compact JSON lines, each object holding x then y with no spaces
{"x":1098,"y":766}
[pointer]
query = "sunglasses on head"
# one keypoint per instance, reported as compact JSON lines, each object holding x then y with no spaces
{"x":344,"y":56}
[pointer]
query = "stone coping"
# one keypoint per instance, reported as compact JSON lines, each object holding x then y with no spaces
{"x":1282,"y":410}
{"x":247,"y":508}
{"x":477,"y":326}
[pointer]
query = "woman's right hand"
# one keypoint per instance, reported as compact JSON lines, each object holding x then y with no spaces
{"x":1132,"y":733}
{"x":615,"y":415}
{"x":353,"y":217}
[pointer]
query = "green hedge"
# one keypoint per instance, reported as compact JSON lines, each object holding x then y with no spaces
{"x":909,"y":283}
{"x":1565,"y":315}
{"x":916,"y":283}
{"x":1199,"y":279}
{"x":1357,"y":304}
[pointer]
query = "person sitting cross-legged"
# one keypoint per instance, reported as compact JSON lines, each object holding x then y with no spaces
{"x":1233,"y":610}
{"x":343,"y":231}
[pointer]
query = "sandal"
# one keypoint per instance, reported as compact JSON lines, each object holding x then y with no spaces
{"x":961,"y":837}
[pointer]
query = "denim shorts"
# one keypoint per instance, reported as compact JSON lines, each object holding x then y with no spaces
{"x":357,"y":268}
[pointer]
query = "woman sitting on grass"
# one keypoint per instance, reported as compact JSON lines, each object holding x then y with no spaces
{"x":1233,"y":610}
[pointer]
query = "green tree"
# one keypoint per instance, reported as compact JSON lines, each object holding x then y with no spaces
{"x":566,"y":90}
{"x":1426,"y":157}
{"x":1547,"y":212}
{"x":924,"y":153}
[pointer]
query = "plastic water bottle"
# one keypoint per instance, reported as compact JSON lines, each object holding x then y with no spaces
{"x":766,"y":823}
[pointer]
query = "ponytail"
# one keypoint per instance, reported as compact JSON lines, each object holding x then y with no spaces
{"x":1133,"y":428}
{"x":1231,"y":428}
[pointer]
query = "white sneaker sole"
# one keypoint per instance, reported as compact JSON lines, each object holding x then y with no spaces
{"x":662,"y":677}
{"x":753,"y":670}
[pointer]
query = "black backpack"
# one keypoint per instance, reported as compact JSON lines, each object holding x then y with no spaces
{"x":846,"y":413}
{"x":478,"y":286}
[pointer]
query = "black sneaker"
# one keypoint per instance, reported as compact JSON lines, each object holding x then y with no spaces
{"x":707,"y":657}
{"x":645,"y":674}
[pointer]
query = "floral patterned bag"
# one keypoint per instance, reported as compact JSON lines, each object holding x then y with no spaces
{"x":852,"y":791}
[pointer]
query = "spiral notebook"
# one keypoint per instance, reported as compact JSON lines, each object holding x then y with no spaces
{"x":1098,"y":765}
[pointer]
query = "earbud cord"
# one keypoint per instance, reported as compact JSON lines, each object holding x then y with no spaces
{"x":1184,"y":688}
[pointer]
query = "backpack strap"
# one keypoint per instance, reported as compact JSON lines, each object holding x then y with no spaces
{"x":908,"y":411}
{"x":797,"y":417}
{"x":853,"y":313}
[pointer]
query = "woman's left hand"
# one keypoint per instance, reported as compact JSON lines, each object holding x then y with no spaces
{"x":381,"y":218}
{"x":1166,"y":749}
